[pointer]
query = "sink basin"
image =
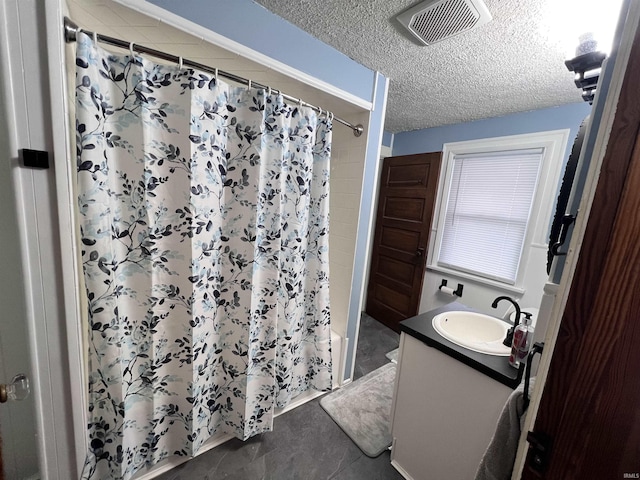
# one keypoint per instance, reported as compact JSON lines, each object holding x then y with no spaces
{"x":475,"y":331}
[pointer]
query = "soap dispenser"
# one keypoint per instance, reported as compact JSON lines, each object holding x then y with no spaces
{"x":522,"y":338}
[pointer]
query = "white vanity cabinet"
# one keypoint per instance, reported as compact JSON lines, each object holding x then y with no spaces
{"x":444,"y":413}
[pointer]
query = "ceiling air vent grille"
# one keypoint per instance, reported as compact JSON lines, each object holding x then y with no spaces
{"x":435,"y":20}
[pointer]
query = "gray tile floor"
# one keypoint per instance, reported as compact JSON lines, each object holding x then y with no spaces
{"x":305,"y":443}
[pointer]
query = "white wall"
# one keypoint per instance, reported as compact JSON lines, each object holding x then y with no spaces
{"x":17,"y":426}
{"x":348,"y":151}
{"x":475,"y":294}
{"x":528,"y":289}
{"x":33,"y":272}
{"x":479,"y":296}
{"x":347,"y":167}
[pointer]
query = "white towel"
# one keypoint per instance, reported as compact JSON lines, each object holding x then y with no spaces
{"x":497,"y":462}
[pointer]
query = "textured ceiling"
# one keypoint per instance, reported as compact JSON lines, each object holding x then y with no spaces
{"x":514,"y":63}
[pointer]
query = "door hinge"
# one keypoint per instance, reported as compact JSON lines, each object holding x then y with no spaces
{"x":540,"y":445}
{"x":34,"y":158}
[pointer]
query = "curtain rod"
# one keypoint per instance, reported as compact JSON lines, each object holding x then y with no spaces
{"x":70,"y":35}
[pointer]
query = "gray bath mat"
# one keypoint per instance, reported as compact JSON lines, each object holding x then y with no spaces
{"x":363,"y":409}
{"x":393,"y":355}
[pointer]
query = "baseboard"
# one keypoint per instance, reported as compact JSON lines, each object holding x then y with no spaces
{"x":401,"y":470}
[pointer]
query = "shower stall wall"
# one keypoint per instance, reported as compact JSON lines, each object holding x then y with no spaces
{"x":348,"y":161}
{"x":348,"y":151}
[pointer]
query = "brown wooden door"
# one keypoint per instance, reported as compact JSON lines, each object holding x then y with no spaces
{"x":590,"y":406}
{"x":405,"y":208}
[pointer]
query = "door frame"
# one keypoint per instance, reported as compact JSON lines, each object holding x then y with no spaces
{"x":31,"y":91}
{"x":70,"y":254}
{"x":603,"y":113}
{"x":60,"y":370}
{"x":377,"y":221}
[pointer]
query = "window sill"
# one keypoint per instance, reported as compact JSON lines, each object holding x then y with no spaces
{"x":479,"y":280}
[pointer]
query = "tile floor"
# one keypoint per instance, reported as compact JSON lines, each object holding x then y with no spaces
{"x":305,"y":443}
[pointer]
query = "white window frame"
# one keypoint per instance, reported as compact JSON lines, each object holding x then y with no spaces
{"x":554,"y":144}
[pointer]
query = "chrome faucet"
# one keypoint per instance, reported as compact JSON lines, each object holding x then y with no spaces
{"x":509,"y":338}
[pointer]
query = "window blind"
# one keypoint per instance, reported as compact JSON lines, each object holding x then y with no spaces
{"x":488,"y":209}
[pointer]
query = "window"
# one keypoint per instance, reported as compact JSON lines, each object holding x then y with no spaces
{"x":487,"y":213}
{"x":495,"y":203}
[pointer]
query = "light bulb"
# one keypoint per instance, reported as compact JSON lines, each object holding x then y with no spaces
{"x":566,"y":21}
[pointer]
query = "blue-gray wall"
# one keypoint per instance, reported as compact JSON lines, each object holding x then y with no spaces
{"x":555,"y":118}
{"x":256,"y":27}
{"x":371,"y":170}
{"x":432,"y":139}
{"x":387,"y":139}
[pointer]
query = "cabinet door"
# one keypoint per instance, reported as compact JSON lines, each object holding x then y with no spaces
{"x":444,"y":414}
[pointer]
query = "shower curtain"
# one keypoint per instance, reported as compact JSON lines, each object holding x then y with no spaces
{"x":203,"y":211}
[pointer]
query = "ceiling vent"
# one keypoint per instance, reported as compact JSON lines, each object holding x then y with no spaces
{"x":435,"y":20}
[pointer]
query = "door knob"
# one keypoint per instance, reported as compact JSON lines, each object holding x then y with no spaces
{"x":420,"y":252}
{"x":18,"y":389}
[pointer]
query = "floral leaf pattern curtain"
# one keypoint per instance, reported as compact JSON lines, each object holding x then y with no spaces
{"x":203,"y":212}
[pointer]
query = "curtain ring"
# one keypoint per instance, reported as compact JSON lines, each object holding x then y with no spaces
{"x":249,"y":85}
{"x":216,"y":75}
{"x":95,"y":37}
{"x":131,"y":49}
{"x":269,"y":91}
{"x":300,"y":102}
{"x":180,"y":63}
{"x":319,"y":112}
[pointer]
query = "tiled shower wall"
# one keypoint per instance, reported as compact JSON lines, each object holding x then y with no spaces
{"x":347,"y":166}
{"x":348,"y":152}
